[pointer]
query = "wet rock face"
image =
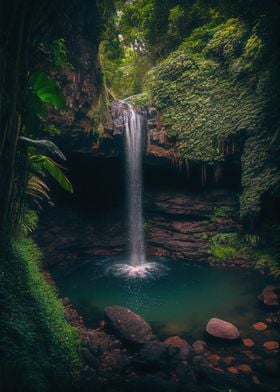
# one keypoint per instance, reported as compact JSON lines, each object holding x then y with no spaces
{"x":128,"y":325}
{"x":222,"y":329}
{"x":182,"y":223}
{"x":118,"y":116}
{"x":179,"y":226}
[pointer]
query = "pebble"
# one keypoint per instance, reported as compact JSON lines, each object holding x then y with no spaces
{"x":248,"y":342}
{"x":214,"y":359}
{"x":272,"y":345}
{"x":233,"y":370}
{"x":260,"y":326}
{"x":229,"y":360}
{"x":244,"y":368}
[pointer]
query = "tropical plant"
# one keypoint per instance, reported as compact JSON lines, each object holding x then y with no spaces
{"x":44,"y":163}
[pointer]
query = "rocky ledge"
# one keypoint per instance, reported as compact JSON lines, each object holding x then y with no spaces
{"x":178,"y":225}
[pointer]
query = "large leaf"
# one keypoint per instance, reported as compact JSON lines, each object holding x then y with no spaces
{"x":47,"y":145}
{"x":52,"y":168}
{"x":47,"y":90}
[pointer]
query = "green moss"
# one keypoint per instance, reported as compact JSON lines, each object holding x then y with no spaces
{"x":142,"y":99}
{"x":221,"y":85}
{"x":200,"y":100}
{"x":38,"y":345}
{"x":202,"y":236}
{"x":261,"y":249}
{"x":223,"y":212}
{"x":266,"y":253}
{"x":99,"y":113}
{"x":223,"y":253}
{"x":225,"y":246}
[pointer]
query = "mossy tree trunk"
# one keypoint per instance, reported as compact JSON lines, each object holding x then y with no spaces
{"x":14,"y":34}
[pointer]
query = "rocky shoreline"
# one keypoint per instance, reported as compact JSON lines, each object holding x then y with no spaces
{"x":123,"y":354}
{"x":179,"y":226}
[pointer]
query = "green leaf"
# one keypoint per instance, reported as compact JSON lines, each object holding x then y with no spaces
{"x":52,"y":168}
{"x":47,"y":90}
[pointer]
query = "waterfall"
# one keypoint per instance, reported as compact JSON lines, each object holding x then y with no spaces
{"x":135,"y":126}
{"x":132,"y":123}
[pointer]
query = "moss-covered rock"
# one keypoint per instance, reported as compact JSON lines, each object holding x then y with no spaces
{"x":219,"y":87}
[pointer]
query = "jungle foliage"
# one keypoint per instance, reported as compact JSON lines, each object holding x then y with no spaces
{"x":37,"y":343}
{"x":214,"y":76}
{"x":220,"y":84}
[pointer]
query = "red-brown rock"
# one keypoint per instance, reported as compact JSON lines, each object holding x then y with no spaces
{"x":232,"y":370}
{"x":248,"y":342}
{"x":214,"y":359}
{"x":272,"y":345}
{"x":228,"y":360}
{"x":259,"y":326}
{"x":175,"y":341}
{"x":244,"y":368}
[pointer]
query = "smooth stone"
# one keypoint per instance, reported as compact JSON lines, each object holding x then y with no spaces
{"x":259,"y":326}
{"x":175,"y":341}
{"x":222,"y":329}
{"x":129,"y":325}
{"x":228,"y":360}
{"x":272,"y":345}
{"x":214,"y":359}
{"x":244,"y":368}
{"x":199,"y":346}
{"x":182,"y":345}
{"x":248,"y":342}
{"x":232,"y":370}
{"x":270,"y":296}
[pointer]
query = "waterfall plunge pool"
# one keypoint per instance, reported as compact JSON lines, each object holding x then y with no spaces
{"x":176,"y":298}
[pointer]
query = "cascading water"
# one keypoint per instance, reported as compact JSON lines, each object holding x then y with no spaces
{"x":134,"y":123}
{"x":134,"y":138}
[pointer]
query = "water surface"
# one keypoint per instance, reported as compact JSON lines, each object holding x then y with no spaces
{"x":179,"y":298}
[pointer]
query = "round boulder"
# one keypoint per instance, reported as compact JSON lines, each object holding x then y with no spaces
{"x":199,"y":346}
{"x":128,"y":325}
{"x":181,"y":344}
{"x":222,"y":329}
{"x":270,"y":296}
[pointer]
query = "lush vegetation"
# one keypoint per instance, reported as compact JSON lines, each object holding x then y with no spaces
{"x":37,"y":343}
{"x":214,"y":76}
{"x":212,"y":70}
{"x":218,"y":86}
